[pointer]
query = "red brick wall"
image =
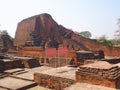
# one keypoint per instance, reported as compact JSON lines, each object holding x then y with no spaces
{"x":97,"y":80}
{"x":94,"y":45}
{"x":39,"y":52}
{"x":31,"y":51}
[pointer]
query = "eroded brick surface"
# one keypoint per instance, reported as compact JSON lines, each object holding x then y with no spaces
{"x":47,"y":31}
{"x":99,"y":73}
{"x":53,"y":82}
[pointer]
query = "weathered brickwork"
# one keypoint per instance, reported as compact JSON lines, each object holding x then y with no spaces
{"x":94,"y":45}
{"x":18,"y":62}
{"x":9,"y":64}
{"x":52,"y":82}
{"x":31,"y":51}
{"x":100,"y":74}
{"x":47,"y":30}
{"x":60,"y":57}
{"x":56,"y":61}
{"x":97,"y":80}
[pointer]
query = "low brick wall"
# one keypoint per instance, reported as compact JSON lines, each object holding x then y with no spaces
{"x":97,"y":80}
{"x":9,"y":64}
{"x":56,"y":61}
{"x":18,"y":62}
{"x":52,"y":82}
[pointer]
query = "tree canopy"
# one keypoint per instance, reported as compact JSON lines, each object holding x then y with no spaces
{"x":6,"y":40}
{"x":3,"y":32}
{"x":86,"y":34}
{"x":102,"y":39}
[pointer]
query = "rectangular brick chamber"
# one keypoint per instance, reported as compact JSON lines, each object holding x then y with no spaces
{"x":100,"y":73}
{"x":52,"y":82}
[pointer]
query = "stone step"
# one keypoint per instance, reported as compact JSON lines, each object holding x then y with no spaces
{"x":12,"y":71}
{"x":21,"y":72}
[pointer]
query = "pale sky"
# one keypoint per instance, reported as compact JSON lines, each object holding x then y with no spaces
{"x":97,"y":16}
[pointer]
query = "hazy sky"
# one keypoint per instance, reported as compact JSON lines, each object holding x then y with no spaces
{"x":97,"y":16}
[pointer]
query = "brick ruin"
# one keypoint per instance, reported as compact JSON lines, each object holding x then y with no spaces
{"x":41,"y":30}
{"x":95,"y":72}
{"x":69,"y":57}
{"x":12,"y":62}
{"x":60,"y":57}
{"x":52,"y":82}
{"x":99,"y":73}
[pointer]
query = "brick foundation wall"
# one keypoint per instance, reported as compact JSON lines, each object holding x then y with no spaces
{"x":99,"y":73}
{"x":13,"y":64}
{"x":6,"y":64}
{"x":52,"y":82}
{"x":97,"y":80}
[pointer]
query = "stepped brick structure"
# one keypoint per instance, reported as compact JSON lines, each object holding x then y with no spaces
{"x":42,"y":30}
{"x":99,"y":73}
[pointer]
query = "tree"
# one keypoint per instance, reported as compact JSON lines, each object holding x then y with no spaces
{"x":4,"y":32}
{"x":6,"y":39}
{"x":86,"y":34}
{"x":102,"y":39}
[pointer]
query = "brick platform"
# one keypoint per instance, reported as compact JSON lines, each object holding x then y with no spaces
{"x":56,"y":78}
{"x":52,"y":82}
{"x":99,"y":73}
